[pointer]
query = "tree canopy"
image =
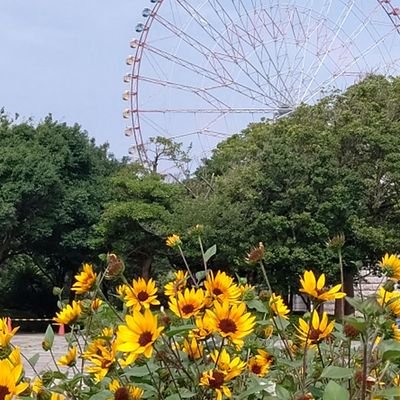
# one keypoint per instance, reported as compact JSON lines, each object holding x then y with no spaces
{"x":52,"y":179}
{"x":327,"y":168}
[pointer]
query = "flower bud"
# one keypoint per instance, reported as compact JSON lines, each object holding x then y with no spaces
{"x":389,"y":285}
{"x":115,"y":266}
{"x":256,"y":254}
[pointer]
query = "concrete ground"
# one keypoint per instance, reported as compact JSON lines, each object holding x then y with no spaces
{"x":31,"y":344}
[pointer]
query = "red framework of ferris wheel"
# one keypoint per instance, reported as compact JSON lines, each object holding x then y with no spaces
{"x":135,"y":130}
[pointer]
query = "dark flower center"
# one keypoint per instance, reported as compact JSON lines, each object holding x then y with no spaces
{"x":256,"y":368}
{"x":217,"y":380}
{"x":143,"y":296}
{"x":227,"y":326}
{"x":314,"y":335}
{"x":187,"y":308}
{"x":121,"y":393}
{"x":217,"y":291}
{"x":145,"y":338}
{"x":3,"y":392}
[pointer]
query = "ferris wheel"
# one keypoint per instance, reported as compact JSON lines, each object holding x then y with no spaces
{"x":203,"y":70}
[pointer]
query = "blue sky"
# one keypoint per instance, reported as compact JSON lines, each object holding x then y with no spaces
{"x":68,"y":58}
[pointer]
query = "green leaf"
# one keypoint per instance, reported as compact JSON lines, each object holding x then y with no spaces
{"x":210,"y":253}
{"x":357,"y":323}
{"x":200,"y":275}
{"x":333,"y":372}
{"x":390,"y":350}
{"x":333,"y":391}
{"x":177,"y":330}
{"x":141,"y":371}
{"x":48,"y":340}
{"x":355,"y":302}
{"x":257,"y":305}
{"x":183,"y":394}
{"x":102,"y":395}
{"x":390,"y":393}
{"x":282,"y":393}
{"x":34,"y":359}
{"x":281,"y":323}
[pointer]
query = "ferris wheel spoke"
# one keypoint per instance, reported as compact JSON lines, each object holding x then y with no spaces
{"x":195,"y":44}
{"x":261,"y":42}
{"x":203,"y":93}
{"x":344,"y":15}
{"x":210,"y":75}
{"x":353,"y":62}
{"x":229,"y":110}
{"x":253,"y":42}
{"x":305,"y":48}
{"x":204,"y":51}
{"x":244,"y":59}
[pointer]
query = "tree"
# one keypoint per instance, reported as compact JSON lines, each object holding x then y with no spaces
{"x":134,"y":223}
{"x":52,"y":179}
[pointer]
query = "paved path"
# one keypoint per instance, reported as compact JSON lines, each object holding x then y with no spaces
{"x":31,"y":344}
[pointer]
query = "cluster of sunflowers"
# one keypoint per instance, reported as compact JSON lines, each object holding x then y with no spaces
{"x":209,"y":337}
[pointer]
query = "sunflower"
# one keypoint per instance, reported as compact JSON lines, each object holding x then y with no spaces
{"x":221,"y":287}
{"x":260,"y":363}
{"x":317,"y":290}
{"x":69,"y":360}
{"x":246,"y":291}
{"x":193,"y":349}
{"x":96,"y":304}
{"x":10,"y":376}
{"x":37,"y":385}
{"x":57,"y":396}
{"x":139,"y":334}
{"x":129,"y":392}
{"x":396,"y":332}
{"x":390,"y":265}
{"x":85,"y":280}
{"x":69,"y":314}
{"x":102,"y":355}
{"x":173,"y":241}
{"x":14,"y":358}
{"x":232,"y":322}
{"x":141,"y":294}
{"x":278,"y":307}
{"x":6,"y":334}
{"x":121,"y":291}
{"x":203,"y":330}
{"x":216,"y":381}
{"x":316,"y":330}
{"x":268,"y":331}
{"x":187,"y":304}
{"x":231,"y":368}
{"x":177,"y":285}
{"x":390,"y":300}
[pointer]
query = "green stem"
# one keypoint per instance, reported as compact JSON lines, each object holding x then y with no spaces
{"x":202,"y":254}
{"x":342,"y":282}
{"x":155,"y":382}
{"x":265,"y":276}
{"x":188,"y":268}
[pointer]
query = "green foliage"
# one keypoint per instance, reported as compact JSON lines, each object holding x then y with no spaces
{"x":134,"y":222}
{"x":52,"y":180}
{"x":294,"y":183}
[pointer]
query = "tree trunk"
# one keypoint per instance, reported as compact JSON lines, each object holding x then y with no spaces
{"x":146,"y":266}
{"x":349,"y":290}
